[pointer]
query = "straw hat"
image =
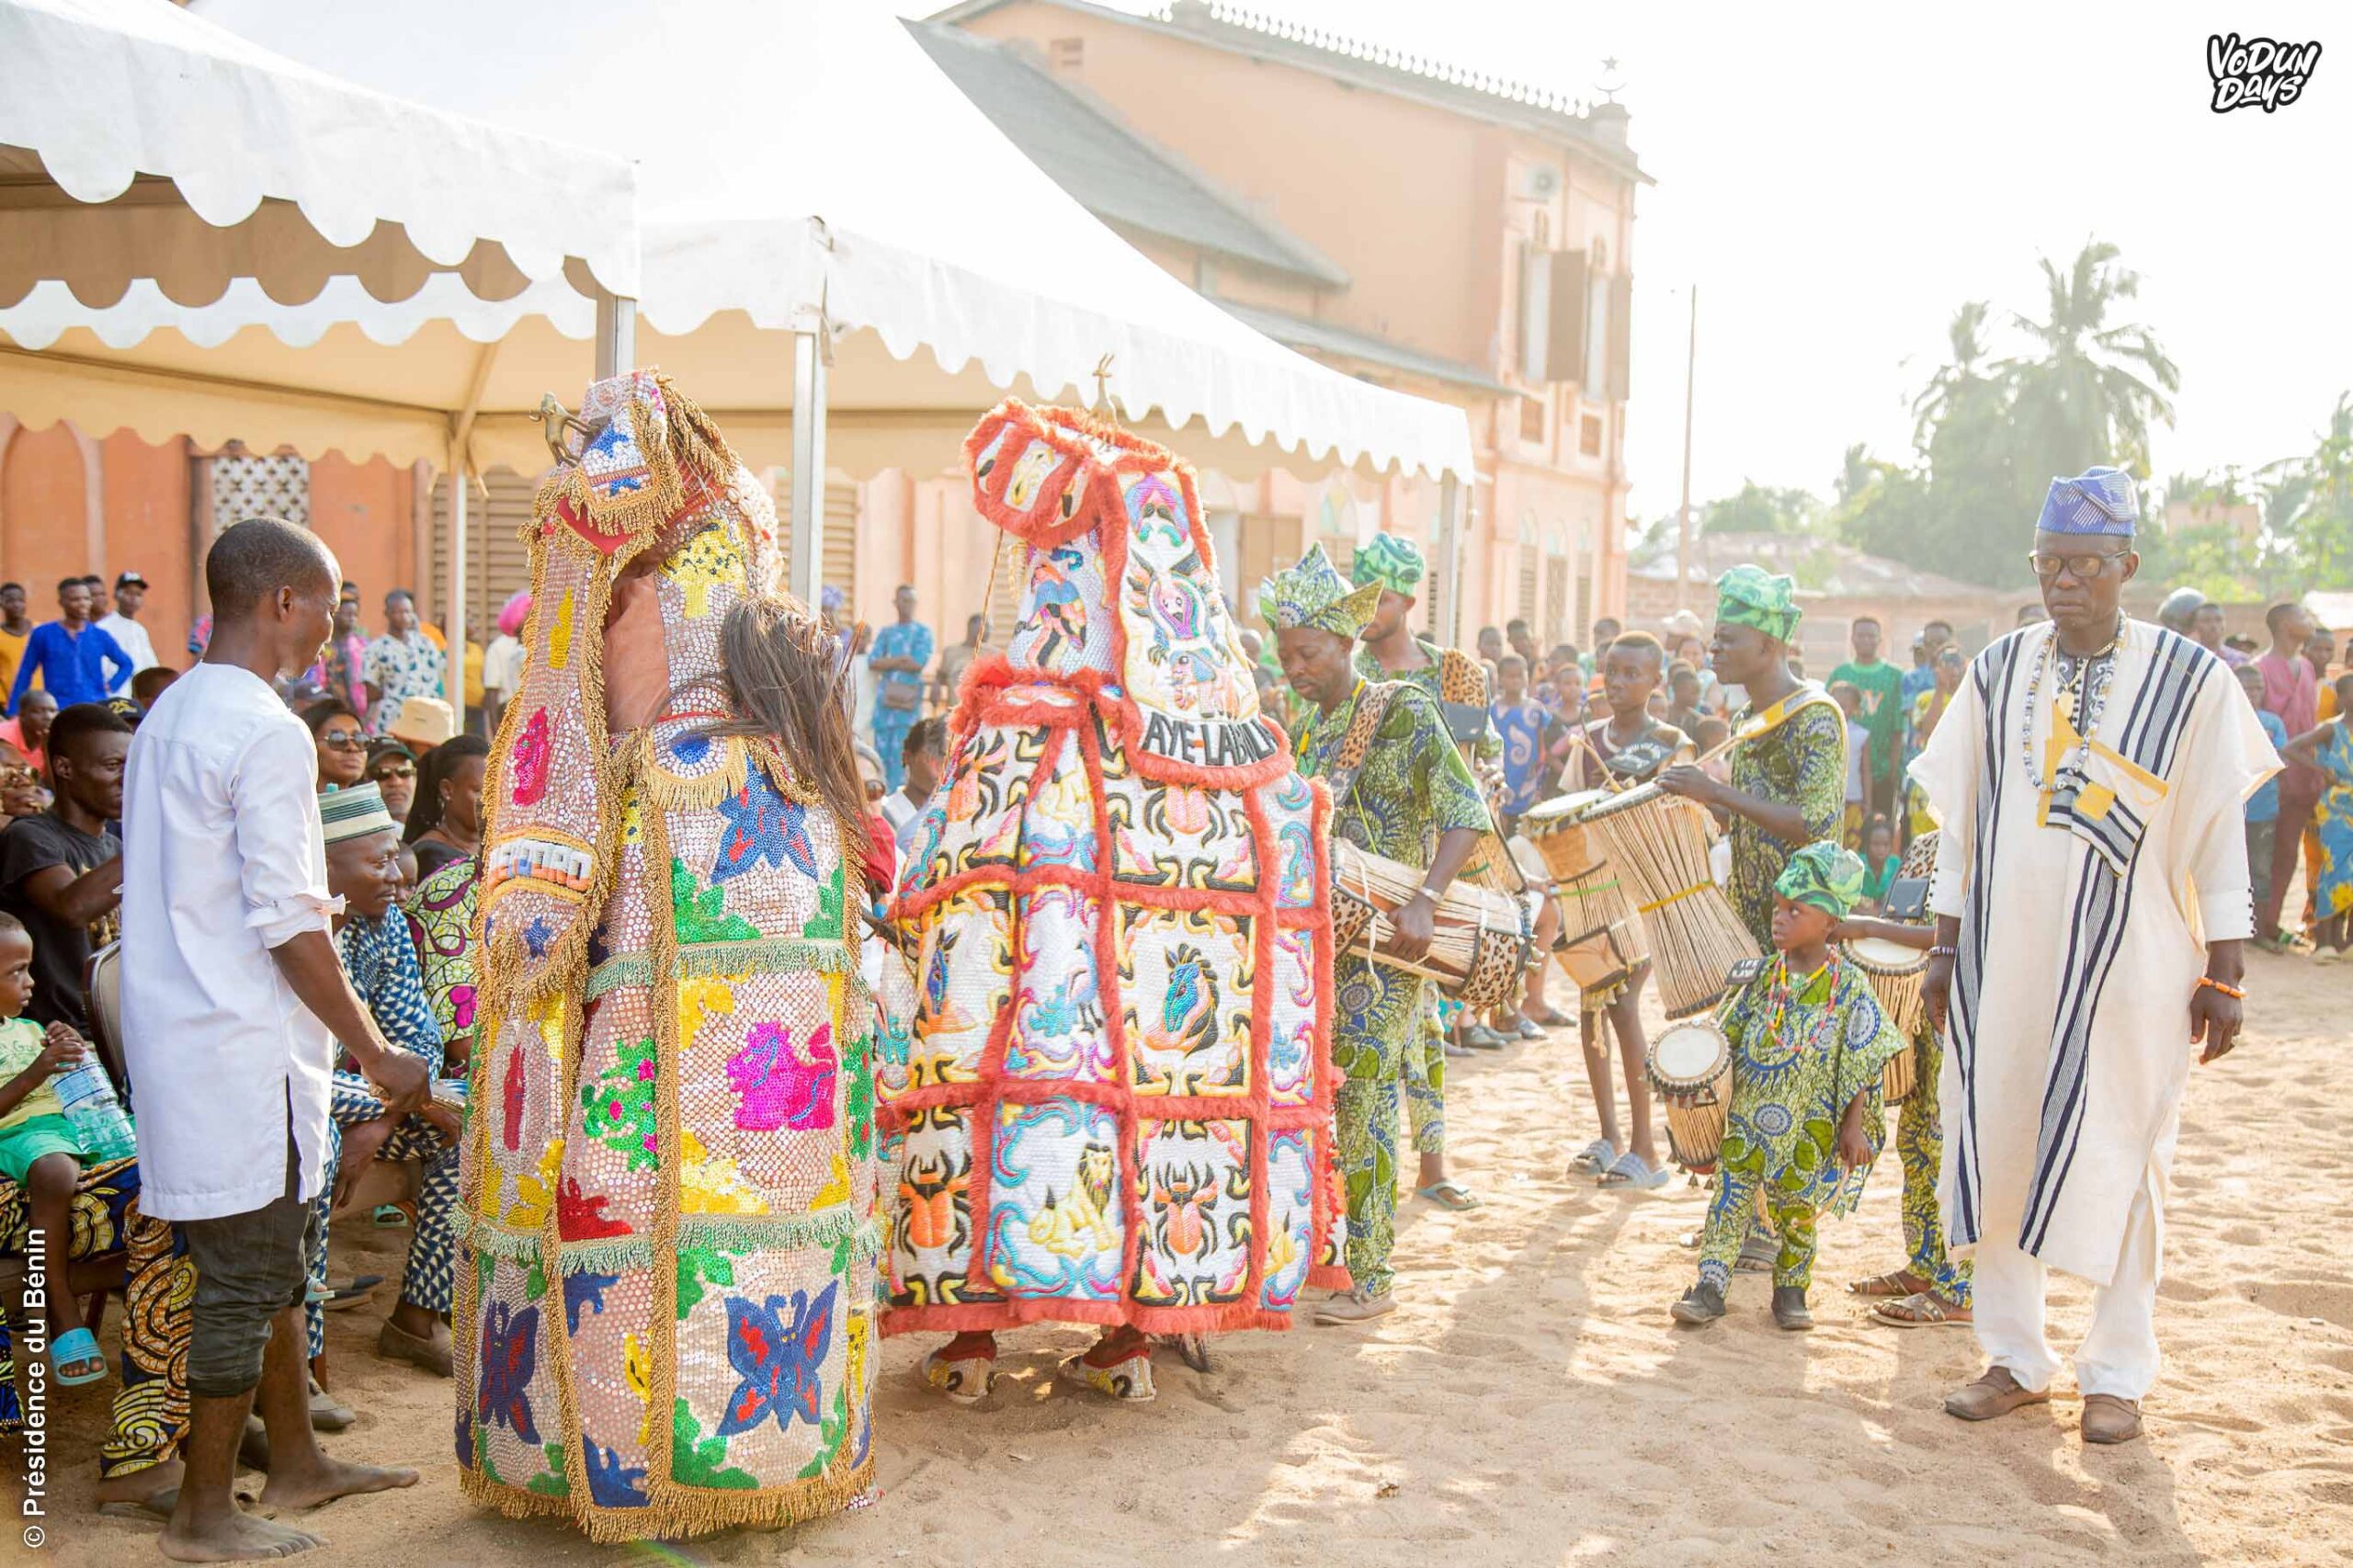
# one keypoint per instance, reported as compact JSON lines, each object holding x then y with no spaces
{"x":424,"y":723}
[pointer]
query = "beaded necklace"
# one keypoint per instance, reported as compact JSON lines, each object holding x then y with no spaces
{"x":2087,"y":679}
{"x":1778,"y":995}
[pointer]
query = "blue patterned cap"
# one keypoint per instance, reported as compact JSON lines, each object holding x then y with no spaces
{"x":2097,"y":501}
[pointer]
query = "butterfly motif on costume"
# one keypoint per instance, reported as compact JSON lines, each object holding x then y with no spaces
{"x":782,"y":1359}
{"x":509,"y":1355}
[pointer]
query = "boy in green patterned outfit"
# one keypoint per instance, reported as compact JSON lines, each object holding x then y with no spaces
{"x":1808,"y":1041}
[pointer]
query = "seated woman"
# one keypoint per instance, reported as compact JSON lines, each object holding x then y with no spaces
{"x":342,"y":741}
{"x":445,"y":822}
{"x":363,"y":869}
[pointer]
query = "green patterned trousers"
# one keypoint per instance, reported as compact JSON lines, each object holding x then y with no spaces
{"x":1733,"y":1212}
{"x":1426,"y":1078}
{"x":1380,"y":1013}
{"x":1919,"y":1143}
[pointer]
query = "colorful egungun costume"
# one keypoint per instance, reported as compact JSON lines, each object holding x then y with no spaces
{"x":1116,"y":1107}
{"x":666,"y":1284}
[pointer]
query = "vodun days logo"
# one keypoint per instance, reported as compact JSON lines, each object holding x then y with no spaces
{"x":2257,"y":72}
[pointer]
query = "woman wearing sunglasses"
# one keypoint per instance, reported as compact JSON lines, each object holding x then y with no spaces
{"x":342,"y":741}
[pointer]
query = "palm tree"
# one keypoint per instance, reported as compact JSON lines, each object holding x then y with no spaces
{"x":1957,"y":384}
{"x":2090,"y":392}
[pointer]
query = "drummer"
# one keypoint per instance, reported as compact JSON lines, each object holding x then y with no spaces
{"x":1932,"y":1289}
{"x":1627,"y":748}
{"x":1408,"y":798}
{"x":1458,"y":683}
{"x":1789,"y":767}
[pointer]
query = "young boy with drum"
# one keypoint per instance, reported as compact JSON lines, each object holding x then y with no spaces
{"x":1627,"y":748}
{"x":1808,"y":1041}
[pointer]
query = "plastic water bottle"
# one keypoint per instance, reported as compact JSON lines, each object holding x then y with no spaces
{"x":100,"y":1124}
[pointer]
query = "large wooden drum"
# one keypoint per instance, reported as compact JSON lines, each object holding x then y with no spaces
{"x":1895,"y":972}
{"x":1479,"y":954}
{"x":1656,"y":845}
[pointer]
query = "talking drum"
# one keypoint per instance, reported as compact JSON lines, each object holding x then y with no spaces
{"x":1656,"y":844}
{"x":1478,"y":951}
{"x":1552,"y":826}
{"x":1894,"y":972}
{"x":1690,"y":1066}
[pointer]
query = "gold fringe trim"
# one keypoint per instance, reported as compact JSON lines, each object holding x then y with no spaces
{"x":767,"y":955}
{"x":676,"y":1513}
{"x":739,"y":1233}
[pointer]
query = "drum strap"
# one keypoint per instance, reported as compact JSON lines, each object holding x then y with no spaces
{"x":1356,"y":745}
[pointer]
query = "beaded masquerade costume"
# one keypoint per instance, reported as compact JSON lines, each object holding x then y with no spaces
{"x":1116,"y":1104}
{"x":665,"y":1279}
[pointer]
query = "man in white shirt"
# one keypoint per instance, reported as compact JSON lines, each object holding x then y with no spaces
{"x":233,"y":994}
{"x":122,"y":624}
{"x":921,"y":755}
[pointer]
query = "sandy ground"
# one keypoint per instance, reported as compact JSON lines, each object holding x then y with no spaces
{"x":1532,"y":1395}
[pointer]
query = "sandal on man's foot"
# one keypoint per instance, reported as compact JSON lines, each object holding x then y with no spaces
{"x":1128,"y":1379}
{"x":1892,"y":1283}
{"x":1702,"y":1304}
{"x":1922,"y":1309}
{"x":1598,"y":1156}
{"x":1479,"y":1037}
{"x":76,"y":1349}
{"x":1529,"y":1029}
{"x":1631,"y":1170}
{"x":327,"y":1412}
{"x":965,"y":1378}
{"x":1447,"y":1194}
{"x":1550,"y":1017}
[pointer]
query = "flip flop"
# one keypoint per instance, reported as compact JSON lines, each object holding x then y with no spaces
{"x":1447,"y":1194}
{"x":1598,"y":1156}
{"x":1631,"y":1170}
{"x":77,"y":1344}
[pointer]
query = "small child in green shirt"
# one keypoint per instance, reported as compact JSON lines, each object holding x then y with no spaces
{"x":38,"y":1148}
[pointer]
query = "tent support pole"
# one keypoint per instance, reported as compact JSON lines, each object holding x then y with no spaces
{"x":808,"y":458}
{"x":454,"y":677}
{"x":616,"y":336}
{"x":1446,"y":616}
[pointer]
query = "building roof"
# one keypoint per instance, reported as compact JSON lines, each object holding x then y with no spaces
{"x":1327,"y":337}
{"x":1598,"y":130}
{"x":1123,"y":178}
{"x":1821,"y":566}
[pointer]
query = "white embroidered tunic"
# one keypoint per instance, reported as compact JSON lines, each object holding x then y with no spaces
{"x":2087,"y":877}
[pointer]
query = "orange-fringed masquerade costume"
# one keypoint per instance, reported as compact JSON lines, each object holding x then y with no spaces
{"x":1116,"y":1104}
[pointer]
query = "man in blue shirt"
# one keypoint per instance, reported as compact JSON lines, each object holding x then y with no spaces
{"x":2263,"y":806}
{"x":70,"y":654}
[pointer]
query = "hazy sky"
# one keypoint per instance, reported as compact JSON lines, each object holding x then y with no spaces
{"x":1837,"y":178}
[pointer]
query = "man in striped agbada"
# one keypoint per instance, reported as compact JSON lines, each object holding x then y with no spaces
{"x":2092,"y":897}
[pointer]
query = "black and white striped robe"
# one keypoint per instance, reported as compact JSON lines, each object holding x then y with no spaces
{"x":2081,"y":936}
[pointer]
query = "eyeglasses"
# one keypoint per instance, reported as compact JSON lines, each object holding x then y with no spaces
{"x":2083,"y":568}
{"x":348,"y":740}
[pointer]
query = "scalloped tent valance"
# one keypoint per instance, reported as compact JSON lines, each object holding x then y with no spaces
{"x":144,"y":148}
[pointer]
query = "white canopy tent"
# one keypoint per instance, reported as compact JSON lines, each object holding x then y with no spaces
{"x":819,"y":203}
{"x":158,"y":168}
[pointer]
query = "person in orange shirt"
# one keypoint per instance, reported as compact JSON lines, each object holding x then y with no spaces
{"x":15,"y":626}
